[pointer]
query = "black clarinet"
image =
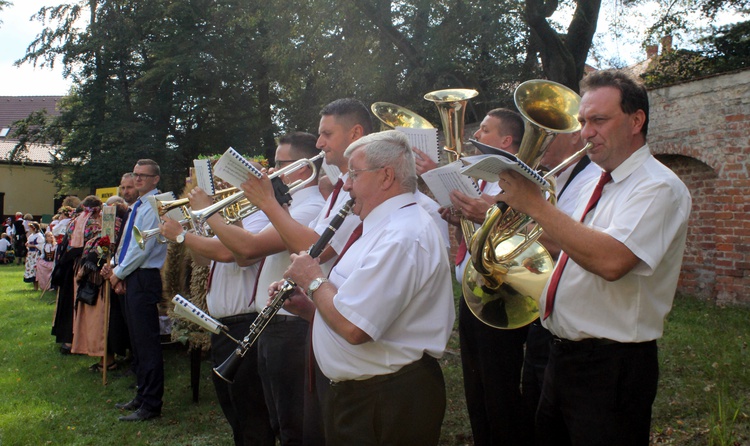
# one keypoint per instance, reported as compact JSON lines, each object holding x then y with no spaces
{"x":228,"y":369}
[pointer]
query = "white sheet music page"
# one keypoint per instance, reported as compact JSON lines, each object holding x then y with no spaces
{"x":204,"y":176}
{"x":445,"y":179}
{"x":234,"y":168}
{"x":489,"y":167}
{"x":185,"y":309}
{"x":425,"y":140}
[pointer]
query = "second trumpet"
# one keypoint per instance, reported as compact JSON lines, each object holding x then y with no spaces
{"x":195,"y":220}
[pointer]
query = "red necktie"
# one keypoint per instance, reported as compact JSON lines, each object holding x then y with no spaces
{"x":461,"y":252}
{"x":335,"y":195}
{"x":555,"y":280}
{"x":257,"y":277}
{"x":210,"y":276}
{"x":356,"y":234}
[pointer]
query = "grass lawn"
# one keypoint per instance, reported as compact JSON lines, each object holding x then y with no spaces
{"x":47,"y":398}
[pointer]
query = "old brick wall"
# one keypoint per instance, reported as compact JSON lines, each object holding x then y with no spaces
{"x":701,"y":130}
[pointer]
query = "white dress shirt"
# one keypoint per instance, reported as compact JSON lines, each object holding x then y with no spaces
{"x":232,"y":285}
{"x":646,"y":207}
{"x":306,"y":205}
{"x":394,"y":284}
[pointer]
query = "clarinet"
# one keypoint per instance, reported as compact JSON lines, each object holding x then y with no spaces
{"x":228,"y":369}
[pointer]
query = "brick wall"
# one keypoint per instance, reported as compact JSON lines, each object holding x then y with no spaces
{"x":701,"y":130}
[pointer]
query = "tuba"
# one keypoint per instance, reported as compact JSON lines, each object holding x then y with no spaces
{"x":509,"y":267}
{"x":392,"y":116}
{"x":451,"y":105}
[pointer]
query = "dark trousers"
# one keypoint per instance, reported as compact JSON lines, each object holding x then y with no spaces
{"x":281,"y":365}
{"x":402,"y":408}
{"x":491,"y":360}
{"x":598,"y":394}
{"x":242,"y":402}
{"x":316,"y":384}
{"x":534,"y":364}
{"x":143,"y":292}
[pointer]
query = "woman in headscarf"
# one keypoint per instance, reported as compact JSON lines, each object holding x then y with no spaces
{"x":88,"y":319}
{"x":86,"y":226}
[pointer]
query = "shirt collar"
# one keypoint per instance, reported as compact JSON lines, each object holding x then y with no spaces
{"x":386,"y":208}
{"x":143,"y":198}
{"x":632,"y":163}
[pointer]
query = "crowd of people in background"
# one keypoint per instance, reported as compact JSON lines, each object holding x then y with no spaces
{"x":353,"y":356}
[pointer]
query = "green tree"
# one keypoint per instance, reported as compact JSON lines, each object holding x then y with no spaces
{"x":160,"y":80}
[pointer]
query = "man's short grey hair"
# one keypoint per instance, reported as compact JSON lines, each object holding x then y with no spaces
{"x":114,"y":199}
{"x":128,"y":175}
{"x":390,"y":148}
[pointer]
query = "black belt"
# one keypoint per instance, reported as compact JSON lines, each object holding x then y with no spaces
{"x":147,"y":269}
{"x":423,"y":361}
{"x":237,"y":318}
{"x":283,"y":318}
{"x":583,"y":344}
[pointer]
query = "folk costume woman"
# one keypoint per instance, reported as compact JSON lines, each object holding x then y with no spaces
{"x":86,"y":226}
{"x":91,"y":304}
{"x":34,"y":243}
{"x":46,"y":261}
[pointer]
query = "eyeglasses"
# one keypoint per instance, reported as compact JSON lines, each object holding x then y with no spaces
{"x":281,"y":163}
{"x":354,"y":173}
{"x":138,"y":176}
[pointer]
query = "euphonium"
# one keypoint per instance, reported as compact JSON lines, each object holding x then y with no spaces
{"x":228,"y":369}
{"x":509,"y":268}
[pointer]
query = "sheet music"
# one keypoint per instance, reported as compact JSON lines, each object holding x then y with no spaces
{"x":489,"y":167}
{"x":445,"y":179}
{"x":234,"y":168}
{"x":425,"y":140}
{"x":186,"y":309}
{"x":204,"y":175}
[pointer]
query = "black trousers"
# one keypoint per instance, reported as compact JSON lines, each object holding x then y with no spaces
{"x":403,"y":408}
{"x":242,"y":402}
{"x":534,"y":364}
{"x":596,"y":394}
{"x":491,"y":360}
{"x":142,"y":295}
{"x":281,"y":365}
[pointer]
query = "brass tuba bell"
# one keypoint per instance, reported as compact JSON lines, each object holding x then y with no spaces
{"x":509,"y":267}
{"x":451,"y":105}
{"x":392,"y":116}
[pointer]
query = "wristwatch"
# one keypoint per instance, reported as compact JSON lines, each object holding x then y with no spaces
{"x":181,"y":237}
{"x":314,"y":285}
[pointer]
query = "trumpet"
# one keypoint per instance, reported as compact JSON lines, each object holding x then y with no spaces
{"x":165,"y":206}
{"x":195,"y":220}
{"x":228,"y":369}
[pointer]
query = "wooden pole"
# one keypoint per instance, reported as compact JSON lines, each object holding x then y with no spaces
{"x":108,"y":230}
